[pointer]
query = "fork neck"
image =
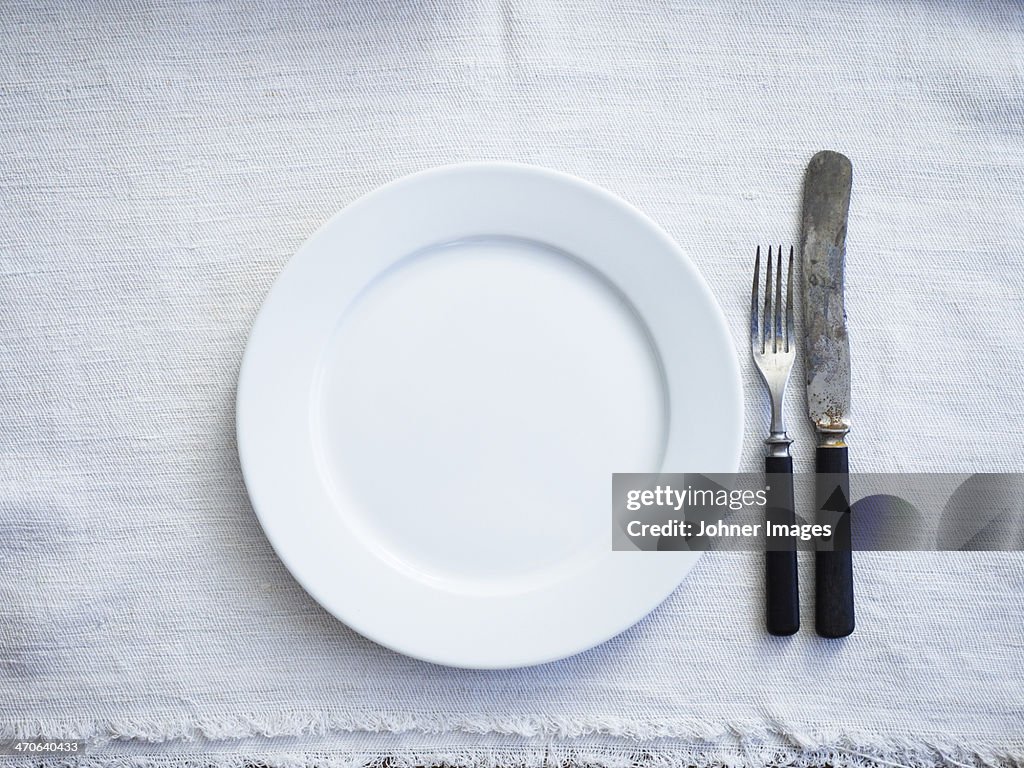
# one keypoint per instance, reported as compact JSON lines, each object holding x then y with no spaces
{"x":778,"y":441}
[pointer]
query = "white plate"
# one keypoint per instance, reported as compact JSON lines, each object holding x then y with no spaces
{"x":438,"y":389}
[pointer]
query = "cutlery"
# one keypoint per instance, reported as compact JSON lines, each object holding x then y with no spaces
{"x":773,"y":347}
{"x":826,"y":206}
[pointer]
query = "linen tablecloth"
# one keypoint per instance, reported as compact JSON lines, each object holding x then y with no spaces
{"x":162,"y":161}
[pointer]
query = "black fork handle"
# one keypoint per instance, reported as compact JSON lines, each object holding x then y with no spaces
{"x":833,"y":570}
{"x":782,"y":595}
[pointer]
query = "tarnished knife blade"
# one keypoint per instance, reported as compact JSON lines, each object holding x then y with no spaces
{"x":826,"y":207}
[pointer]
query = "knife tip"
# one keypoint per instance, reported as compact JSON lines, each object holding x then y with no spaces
{"x":831,"y":158}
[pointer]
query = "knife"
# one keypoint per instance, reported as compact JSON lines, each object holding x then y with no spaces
{"x":826,"y":207}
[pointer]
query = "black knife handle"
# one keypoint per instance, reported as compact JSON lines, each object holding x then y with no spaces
{"x":782,"y":595}
{"x":833,"y":570}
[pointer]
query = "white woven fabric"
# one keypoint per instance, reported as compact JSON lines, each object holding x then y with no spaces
{"x":162,"y":161}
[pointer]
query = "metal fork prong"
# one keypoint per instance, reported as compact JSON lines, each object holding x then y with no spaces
{"x":755,"y":309}
{"x":778,"y":301}
{"x":767,"y":326}
{"x":790,"y":331}
{"x":771,"y":337}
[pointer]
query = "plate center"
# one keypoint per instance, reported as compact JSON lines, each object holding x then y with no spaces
{"x":472,"y":406}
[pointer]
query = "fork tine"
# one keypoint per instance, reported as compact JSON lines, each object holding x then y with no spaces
{"x":767,"y":326}
{"x":778,"y":344}
{"x":755,"y":333}
{"x":789,"y":302}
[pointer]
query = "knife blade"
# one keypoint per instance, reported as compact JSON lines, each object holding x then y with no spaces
{"x":827,"y":187}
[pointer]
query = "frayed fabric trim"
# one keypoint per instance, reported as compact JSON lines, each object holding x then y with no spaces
{"x":552,"y":756}
{"x":627,"y":744}
{"x":536,"y":727}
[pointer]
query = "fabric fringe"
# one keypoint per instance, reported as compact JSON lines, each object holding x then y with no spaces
{"x":736,"y":745}
{"x":553,"y":757}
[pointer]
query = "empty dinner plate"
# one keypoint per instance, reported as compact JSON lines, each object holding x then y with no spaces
{"x":438,"y":389}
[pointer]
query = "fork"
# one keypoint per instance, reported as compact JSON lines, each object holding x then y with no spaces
{"x":774,"y":349}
